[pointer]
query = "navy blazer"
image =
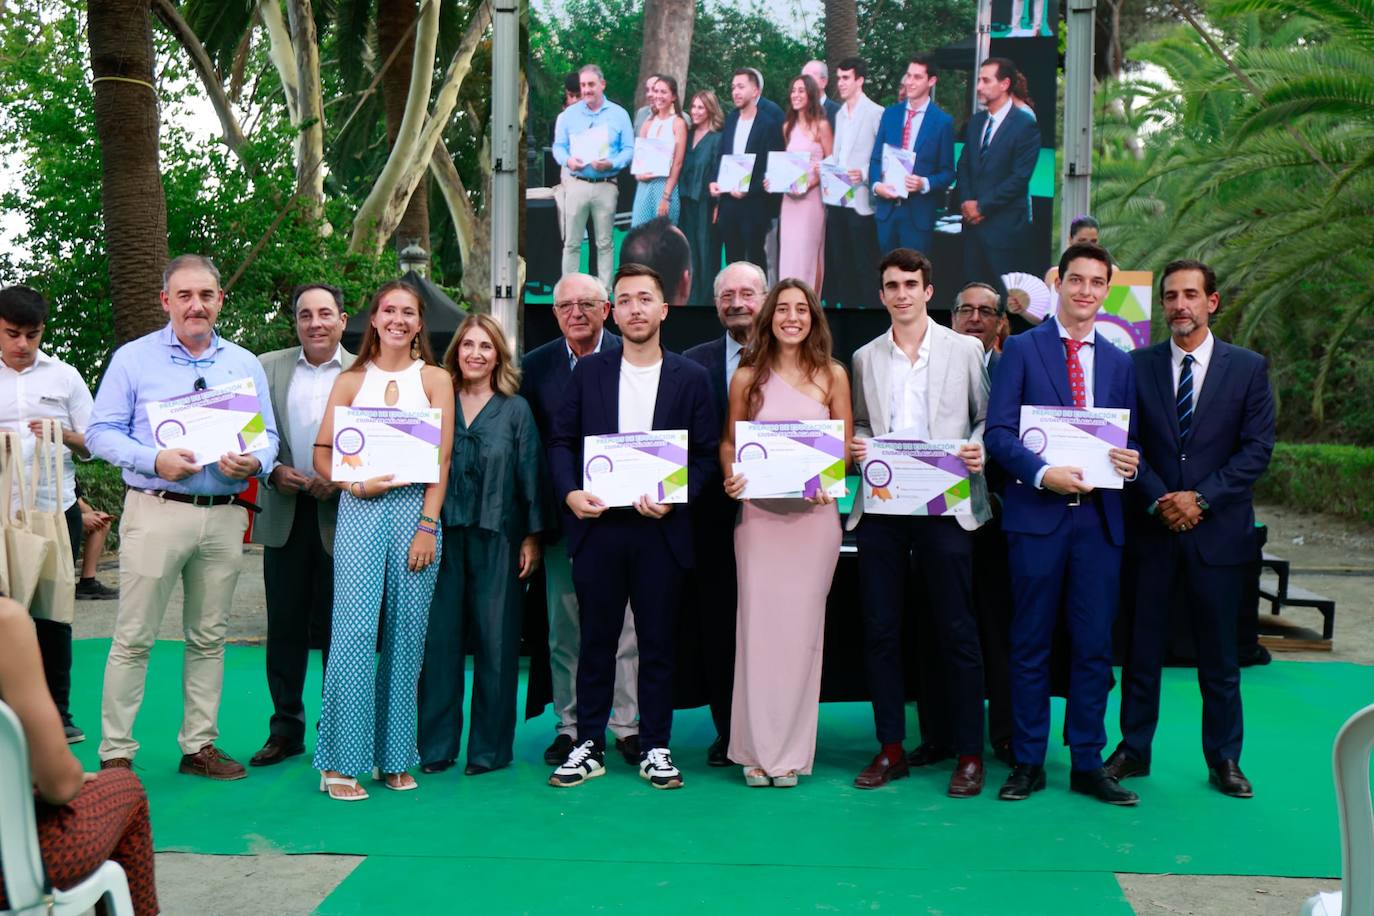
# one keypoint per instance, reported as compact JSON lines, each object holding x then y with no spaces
{"x":592,"y":408}
{"x":1033,"y":371}
{"x":764,"y":136}
{"x":1000,"y":178}
{"x":1230,"y":441}
{"x":934,"y":161}
{"x":711,"y":357}
{"x":544,"y":375}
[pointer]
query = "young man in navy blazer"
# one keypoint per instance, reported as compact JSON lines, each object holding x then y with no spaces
{"x":915,"y":124}
{"x":637,"y":554}
{"x":1206,"y":434}
{"x":1064,"y":537}
{"x":744,"y":217}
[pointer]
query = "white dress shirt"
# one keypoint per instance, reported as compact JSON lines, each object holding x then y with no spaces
{"x":1202,"y":358}
{"x":638,"y":393}
{"x":908,"y":399}
{"x":48,"y":390}
{"x":306,"y":397}
{"x":855,"y":134}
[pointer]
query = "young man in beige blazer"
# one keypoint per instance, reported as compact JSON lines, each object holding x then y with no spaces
{"x":926,"y":382}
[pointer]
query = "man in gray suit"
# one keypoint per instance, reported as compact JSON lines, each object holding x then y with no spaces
{"x":296,"y":525}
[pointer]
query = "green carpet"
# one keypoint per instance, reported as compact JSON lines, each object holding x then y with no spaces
{"x":904,"y":847}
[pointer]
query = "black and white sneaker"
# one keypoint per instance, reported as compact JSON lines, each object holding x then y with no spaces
{"x":657,"y":767}
{"x":584,"y":762}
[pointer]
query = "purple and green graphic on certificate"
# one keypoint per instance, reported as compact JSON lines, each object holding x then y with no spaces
{"x":621,"y":468}
{"x":211,"y":422}
{"x":370,"y":441}
{"x":788,"y":459}
{"x":916,"y":477}
{"x":1077,"y":437}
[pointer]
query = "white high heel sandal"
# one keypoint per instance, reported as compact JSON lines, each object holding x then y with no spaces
{"x":327,"y":781}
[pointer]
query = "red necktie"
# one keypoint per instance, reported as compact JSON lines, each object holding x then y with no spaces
{"x":906,"y":128}
{"x":1076,"y":383}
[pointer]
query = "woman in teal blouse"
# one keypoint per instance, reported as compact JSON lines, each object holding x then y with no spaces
{"x":492,"y":517}
{"x":697,"y":219}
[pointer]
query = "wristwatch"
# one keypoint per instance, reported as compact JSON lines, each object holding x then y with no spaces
{"x":1201,"y":501}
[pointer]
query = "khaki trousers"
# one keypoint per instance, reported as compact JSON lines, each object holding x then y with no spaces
{"x":160,"y":542}
{"x":596,"y":199}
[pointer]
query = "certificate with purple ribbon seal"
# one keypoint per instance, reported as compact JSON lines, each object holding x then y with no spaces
{"x":790,"y":459}
{"x":1079,"y":437}
{"x":619,"y":468}
{"x":371,"y":441}
{"x":908,"y":476}
{"x":211,"y":422}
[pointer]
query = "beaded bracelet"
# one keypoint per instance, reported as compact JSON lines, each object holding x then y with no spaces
{"x":427,"y":529}
{"x":358,"y":489}
{"x":426,"y":518}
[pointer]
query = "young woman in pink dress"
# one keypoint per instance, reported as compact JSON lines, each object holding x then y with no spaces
{"x":786,"y":549}
{"x":801,"y":223}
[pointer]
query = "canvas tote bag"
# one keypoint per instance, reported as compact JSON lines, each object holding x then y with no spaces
{"x":55,"y":597}
{"x":25,"y":551}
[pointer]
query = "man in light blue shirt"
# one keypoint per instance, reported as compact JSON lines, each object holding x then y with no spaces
{"x":591,"y":182}
{"x":182,"y":521}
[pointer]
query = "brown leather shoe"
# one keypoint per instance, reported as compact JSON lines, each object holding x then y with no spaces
{"x":212,"y":763}
{"x":881,"y":772}
{"x":967,"y":780}
{"x":117,"y":763}
{"x":275,"y":751}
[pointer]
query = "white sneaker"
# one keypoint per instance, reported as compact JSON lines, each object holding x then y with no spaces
{"x":657,"y":767}
{"x":584,"y":762}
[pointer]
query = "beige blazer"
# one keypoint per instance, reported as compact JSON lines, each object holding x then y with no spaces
{"x":957,"y":396}
{"x":273,"y":524}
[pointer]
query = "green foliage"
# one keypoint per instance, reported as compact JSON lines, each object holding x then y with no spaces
{"x":103,"y":487}
{"x":1336,"y":479}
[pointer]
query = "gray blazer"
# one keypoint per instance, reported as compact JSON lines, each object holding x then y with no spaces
{"x":273,"y":524}
{"x":957,"y":395}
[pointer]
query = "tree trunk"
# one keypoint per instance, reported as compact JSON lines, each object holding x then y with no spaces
{"x":841,"y":32}
{"x":126,"y":118}
{"x":310,"y":162}
{"x":396,"y":26}
{"x":667,"y":44}
{"x":282,"y":54}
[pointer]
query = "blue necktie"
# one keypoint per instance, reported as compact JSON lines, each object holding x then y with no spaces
{"x":1185,"y":398}
{"x":987,"y":136}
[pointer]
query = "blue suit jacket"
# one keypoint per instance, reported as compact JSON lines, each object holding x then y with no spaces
{"x":1033,"y":371}
{"x":592,"y":408}
{"x":544,"y":374}
{"x":1231,"y":439}
{"x":1000,"y":179}
{"x":764,"y":136}
{"x":934,"y":161}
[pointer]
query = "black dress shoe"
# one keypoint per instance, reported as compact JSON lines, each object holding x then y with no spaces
{"x":476,"y":769}
{"x":718,"y":754}
{"x":1227,"y":777}
{"x":926,"y":754}
{"x":1120,"y":766}
{"x":437,"y":766}
{"x":557,"y":752}
{"x":1102,"y":786}
{"x":629,"y":749}
{"x":275,"y":751}
{"x":1024,"y":780}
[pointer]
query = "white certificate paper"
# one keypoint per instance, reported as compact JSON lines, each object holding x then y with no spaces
{"x":788,"y":459}
{"x":836,"y":188}
{"x":619,"y":468}
{"x":1078,"y":437}
{"x":653,"y":156}
{"x":592,"y":144}
{"x":914,"y":477}
{"x":897,"y":164}
{"x":787,"y":172}
{"x":736,"y":171}
{"x":225,"y":418}
{"x":369,"y":441}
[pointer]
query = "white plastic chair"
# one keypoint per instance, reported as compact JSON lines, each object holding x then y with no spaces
{"x":26,"y":883}
{"x":1350,"y":766}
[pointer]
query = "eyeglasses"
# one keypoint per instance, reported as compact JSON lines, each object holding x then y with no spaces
{"x":201,"y":364}
{"x":583,"y":305}
{"x":745,"y":295}
{"x":967,"y":311}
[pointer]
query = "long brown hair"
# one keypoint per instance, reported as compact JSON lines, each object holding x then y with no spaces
{"x":714,"y":116}
{"x":813,"y":111}
{"x":505,"y":377}
{"x":371,"y":345}
{"x":762,"y":351}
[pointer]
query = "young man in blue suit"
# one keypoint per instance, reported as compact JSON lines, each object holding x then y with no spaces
{"x":1001,"y":146}
{"x":1064,"y":537}
{"x":1206,"y":434}
{"x":744,"y":217}
{"x":915,"y":124}
{"x":637,"y":554}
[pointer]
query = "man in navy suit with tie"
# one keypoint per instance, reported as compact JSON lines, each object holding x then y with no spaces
{"x":1064,"y":536}
{"x":639,"y":554}
{"x":920,"y":125}
{"x":744,"y":217}
{"x":1001,"y":147}
{"x":1206,"y":434}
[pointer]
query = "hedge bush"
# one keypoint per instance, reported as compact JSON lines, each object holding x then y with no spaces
{"x":1322,"y":478}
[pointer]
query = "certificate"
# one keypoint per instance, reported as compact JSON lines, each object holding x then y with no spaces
{"x":1078,"y":437}
{"x":735,"y":172}
{"x":371,"y":441}
{"x":897,"y":164}
{"x":619,"y":468}
{"x":787,"y":172}
{"x":790,"y":458}
{"x":836,"y":188}
{"x":590,"y":145}
{"x":652,"y":157}
{"x":212,"y":422}
{"x":915,"y":477}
